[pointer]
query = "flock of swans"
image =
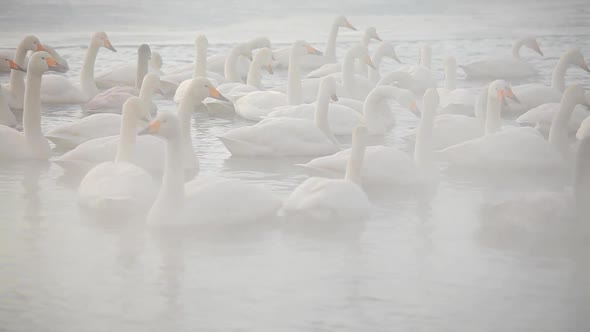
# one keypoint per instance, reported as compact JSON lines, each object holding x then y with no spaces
{"x":122,"y":147}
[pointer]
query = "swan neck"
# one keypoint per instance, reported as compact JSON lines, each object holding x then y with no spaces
{"x":426,"y":57}
{"x":493,"y":115}
{"x":331,"y":46}
{"x":200,"y":68}
{"x":558,"y":133}
{"x":374,"y":75}
{"x":128,"y":136}
{"x":558,"y":77}
{"x":231,"y":66}
{"x":171,"y":193}
{"x":450,"y":77}
{"x":87,"y":83}
{"x":32,"y":109}
{"x":423,"y":147}
{"x":294,"y":81}
{"x":516,"y":48}
{"x":184,"y":116}
{"x":17,"y":77}
{"x":348,"y":74}
{"x":321,"y":112}
{"x":355,"y":162}
{"x":142,"y":70}
{"x":254,"y":74}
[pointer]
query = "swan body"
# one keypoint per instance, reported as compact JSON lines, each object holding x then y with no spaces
{"x":542,"y":116}
{"x":334,"y":199}
{"x":205,"y":199}
{"x":57,"y":89}
{"x":505,"y":68}
{"x":119,"y":185}
{"x":218,"y":63}
{"x":30,"y":144}
{"x":126,"y":74}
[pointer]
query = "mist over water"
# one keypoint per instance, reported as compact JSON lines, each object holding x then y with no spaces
{"x":440,"y":258}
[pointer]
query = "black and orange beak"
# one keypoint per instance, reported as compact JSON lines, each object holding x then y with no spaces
{"x":510,"y":95}
{"x":40,"y":47}
{"x":269,"y":69}
{"x":55,"y":66}
{"x":368,"y":61}
{"x":311,"y":50}
{"x":414,"y":108}
{"x":214,"y":93}
{"x":537,"y":49}
{"x":15,"y":66}
{"x":348,"y":25}
{"x":108,"y":45}
{"x":334,"y":97}
{"x":584,"y":66}
{"x":152,"y":128}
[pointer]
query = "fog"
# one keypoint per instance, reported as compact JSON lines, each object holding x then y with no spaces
{"x":482,"y":248}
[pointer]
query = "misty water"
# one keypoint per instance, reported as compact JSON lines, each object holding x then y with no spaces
{"x":439,"y":258}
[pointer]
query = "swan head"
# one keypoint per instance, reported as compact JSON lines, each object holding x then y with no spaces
{"x":144,"y":51}
{"x":151,"y":82}
{"x":165,"y":125}
{"x":328,"y":85}
{"x":501,"y":91}
{"x":362,"y":53}
{"x":260,"y":42}
{"x":156,"y":60}
{"x":576,"y":58}
{"x":531,"y":42}
{"x":40,"y":62}
{"x":388,"y":50}
{"x":301,"y":48}
{"x":371,"y":33}
{"x":341,"y":21}
{"x":407,"y":99}
{"x":201,"y":42}
{"x":199,"y":89}
{"x":11,"y":64}
{"x":245,"y":50}
{"x":132,"y":108}
{"x":100,"y":39}
{"x":265,"y":58}
{"x":56,"y":56}
{"x":32,"y":43}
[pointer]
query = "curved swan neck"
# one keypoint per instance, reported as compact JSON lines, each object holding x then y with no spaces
{"x":87,"y":82}
{"x":516,"y":48}
{"x":294,"y":80}
{"x":142,"y":69}
{"x":558,"y":76}
{"x":558,"y":133}
{"x":423,"y":147}
{"x":128,"y":136}
{"x":331,"y":46}
{"x":321,"y":112}
{"x":184,"y":117}
{"x":254,"y":74}
{"x":200,"y":68}
{"x":172,"y":190}
{"x":32,"y":109}
{"x":493,"y":115}
{"x":17,"y":77}
{"x":231,"y":66}
{"x":355,"y":162}
{"x":374,"y":75}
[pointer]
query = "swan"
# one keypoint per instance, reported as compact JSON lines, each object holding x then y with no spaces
{"x":542,"y":116}
{"x":388,"y":165}
{"x":369,"y":34}
{"x":384,"y":50}
{"x":277,"y":137}
{"x":126,"y":74}
{"x":57,"y":89}
{"x":217,"y":63}
{"x":148,"y":149}
{"x":234,"y":91}
{"x":112,"y":100}
{"x":258,"y":104}
{"x":31,"y":144}
{"x":5,"y":67}
{"x":421,"y":75}
{"x":204,"y":199}
{"x":199,"y":68}
{"x":376,"y":115}
{"x":505,"y":68}
{"x":70,"y":135}
{"x":119,"y":185}
{"x":334,"y":199}
{"x":453,"y":100}
{"x":313,"y":62}
{"x":533,"y":95}
{"x":15,"y":89}
{"x":7,"y":118}
{"x":516,"y":147}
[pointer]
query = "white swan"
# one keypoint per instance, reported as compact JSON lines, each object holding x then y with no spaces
{"x":258,"y":104}
{"x":70,"y":135}
{"x":516,"y":148}
{"x":126,"y":74}
{"x":542,"y":116}
{"x":384,"y":50}
{"x":148,"y":149}
{"x":15,"y":89}
{"x":119,"y":185}
{"x":204,"y":199}
{"x":199,"y":69}
{"x":533,"y":95}
{"x":387,"y":165}
{"x":31,"y":144}
{"x":7,"y":118}
{"x":453,"y":100}
{"x":217,"y":63}
{"x":505,"y":68}
{"x":421,"y":74}
{"x":313,"y":62}
{"x":278,"y":137}
{"x":112,"y":100}
{"x":375,"y":115}
{"x":57,"y":89}
{"x":334,"y":199}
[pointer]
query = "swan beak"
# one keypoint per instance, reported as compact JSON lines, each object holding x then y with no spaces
{"x":510,"y":94}
{"x":107,"y":44}
{"x":312,"y":50}
{"x":378,"y":38}
{"x":369,"y":62}
{"x":348,"y":25}
{"x":151,"y":129}
{"x":501,"y":95}
{"x":214,"y":93}
{"x":394,"y":57}
{"x":40,"y":48}
{"x":15,"y":66}
{"x":414,"y":108}
{"x":269,"y":69}
{"x":584,"y":66}
{"x":334,"y":97}
{"x":537,"y":49}
{"x":53,"y":65}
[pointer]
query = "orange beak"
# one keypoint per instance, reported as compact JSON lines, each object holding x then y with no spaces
{"x":51,"y":63}
{"x":107,"y":44}
{"x":15,"y":66}
{"x":152,"y":128}
{"x":313,"y":51}
{"x":214,"y":93}
{"x":537,"y":49}
{"x":40,"y":48}
{"x":509,"y":94}
{"x":368,"y":61}
{"x":414,"y":108}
